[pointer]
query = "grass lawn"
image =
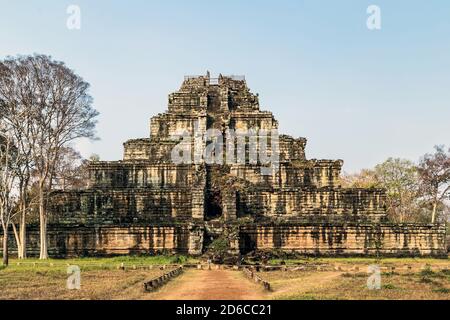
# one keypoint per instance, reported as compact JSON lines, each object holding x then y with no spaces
{"x":363,"y":261}
{"x":123,"y":278}
{"x":95,"y":284}
{"x":96,"y":262}
{"x":101,"y":278}
{"x":409,"y":279}
{"x":345,"y":286}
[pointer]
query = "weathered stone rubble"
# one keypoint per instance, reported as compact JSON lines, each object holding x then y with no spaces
{"x":147,"y":204}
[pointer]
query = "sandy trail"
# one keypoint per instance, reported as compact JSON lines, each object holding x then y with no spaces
{"x":210,"y":285}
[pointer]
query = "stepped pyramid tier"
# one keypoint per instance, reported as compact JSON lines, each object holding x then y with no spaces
{"x":149,"y":203}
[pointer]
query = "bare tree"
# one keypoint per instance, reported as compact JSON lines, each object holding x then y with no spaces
{"x":16,"y":113}
{"x":434,"y":171}
{"x":70,"y":171}
{"x":9,"y":158}
{"x":59,"y":109}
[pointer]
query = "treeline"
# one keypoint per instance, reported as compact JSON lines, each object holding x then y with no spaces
{"x":416,"y":192}
{"x":44,"y":107}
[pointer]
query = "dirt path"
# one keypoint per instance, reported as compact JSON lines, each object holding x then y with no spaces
{"x":210,"y":285}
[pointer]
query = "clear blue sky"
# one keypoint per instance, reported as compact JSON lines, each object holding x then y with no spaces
{"x":356,"y":94}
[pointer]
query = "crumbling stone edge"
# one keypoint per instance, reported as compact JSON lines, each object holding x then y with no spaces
{"x":253,"y":276}
{"x":158,"y":282}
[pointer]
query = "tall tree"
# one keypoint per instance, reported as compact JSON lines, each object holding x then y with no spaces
{"x":399,"y":177}
{"x":60,"y":110}
{"x":434,"y":172}
{"x":16,"y":102}
{"x":9,"y":159}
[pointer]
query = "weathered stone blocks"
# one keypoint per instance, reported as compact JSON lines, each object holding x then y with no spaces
{"x":148,"y":204}
{"x":347,"y":239}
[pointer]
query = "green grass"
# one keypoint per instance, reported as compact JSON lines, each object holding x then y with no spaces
{"x":354,"y":275}
{"x":441,"y":290}
{"x":90,"y":263}
{"x":428,"y":273}
{"x":354,"y":260}
{"x":307,"y":297}
{"x":219,"y":245}
{"x":389,"y":286}
{"x":303,"y":296}
{"x":435,"y":278}
{"x":389,"y":274}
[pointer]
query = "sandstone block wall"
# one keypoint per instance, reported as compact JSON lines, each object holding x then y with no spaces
{"x":147,"y":203}
{"x":167,"y":125}
{"x":306,"y":238}
{"x":345,"y":204}
{"x":347,"y":239}
{"x":158,"y":151}
{"x":144,"y":174}
{"x":312,"y":173}
{"x":64,"y":241}
{"x":125,"y":206}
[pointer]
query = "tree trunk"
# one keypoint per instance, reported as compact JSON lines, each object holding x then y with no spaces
{"x":22,"y":253}
{"x":433,"y":214}
{"x":43,"y":226}
{"x":5,"y":245}
{"x":16,"y":236}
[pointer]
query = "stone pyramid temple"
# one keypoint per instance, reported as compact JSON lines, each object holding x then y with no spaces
{"x":148,"y":203}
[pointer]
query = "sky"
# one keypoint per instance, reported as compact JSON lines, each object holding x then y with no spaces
{"x":357,"y":94}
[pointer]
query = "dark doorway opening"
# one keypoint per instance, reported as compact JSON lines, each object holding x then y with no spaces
{"x":247,"y":243}
{"x":213,"y":206}
{"x":213,"y":195}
